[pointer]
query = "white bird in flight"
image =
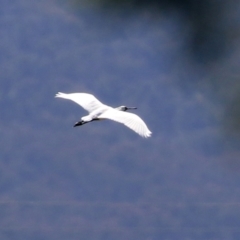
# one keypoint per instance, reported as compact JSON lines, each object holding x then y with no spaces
{"x":99,"y":111}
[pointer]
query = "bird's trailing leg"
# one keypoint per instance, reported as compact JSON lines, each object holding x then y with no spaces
{"x":80,"y":123}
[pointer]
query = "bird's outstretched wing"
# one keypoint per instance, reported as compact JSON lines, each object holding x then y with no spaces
{"x":85,"y":100}
{"x":130,"y":120}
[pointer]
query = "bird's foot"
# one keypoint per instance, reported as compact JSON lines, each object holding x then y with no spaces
{"x":79,"y":123}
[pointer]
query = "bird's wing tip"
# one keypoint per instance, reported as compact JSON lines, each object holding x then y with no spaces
{"x":147,"y":134}
{"x":59,"y":94}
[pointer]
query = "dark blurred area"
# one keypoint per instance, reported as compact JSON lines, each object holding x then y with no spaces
{"x":208,"y":20}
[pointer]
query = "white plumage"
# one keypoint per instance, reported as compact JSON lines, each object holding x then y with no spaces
{"x":98,"y":111}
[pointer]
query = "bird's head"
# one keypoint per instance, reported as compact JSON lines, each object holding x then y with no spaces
{"x":124,"y":108}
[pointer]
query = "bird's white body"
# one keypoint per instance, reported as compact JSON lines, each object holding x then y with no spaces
{"x":98,"y":111}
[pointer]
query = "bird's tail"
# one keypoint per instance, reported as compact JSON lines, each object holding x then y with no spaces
{"x":61,"y":95}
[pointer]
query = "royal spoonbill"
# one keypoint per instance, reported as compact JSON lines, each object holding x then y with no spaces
{"x":99,"y":111}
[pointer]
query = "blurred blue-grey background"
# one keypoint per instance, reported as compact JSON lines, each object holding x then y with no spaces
{"x":178,"y":62}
